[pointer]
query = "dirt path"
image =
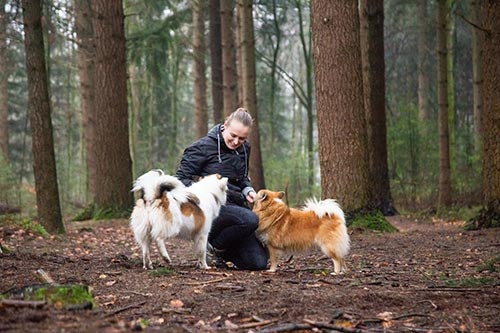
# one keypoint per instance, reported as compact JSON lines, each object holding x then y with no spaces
{"x":429,"y":277}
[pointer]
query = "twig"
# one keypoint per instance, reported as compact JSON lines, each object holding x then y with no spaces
{"x":130,"y":306}
{"x":21,"y":303}
{"x":136,"y":293}
{"x":44,"y":277}
{"x":286,"y":328}
{"x":257,"y":324}
{"x":334,"y":327}
{"x":411,"y":315}
{"x":431,"y":302}
{"x":205,"y":282}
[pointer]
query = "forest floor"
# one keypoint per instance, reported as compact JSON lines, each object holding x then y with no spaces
{"x":430,"y":277}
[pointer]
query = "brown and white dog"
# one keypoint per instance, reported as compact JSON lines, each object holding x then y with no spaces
{"x":284,"y":229}
{"x":168,"y":209}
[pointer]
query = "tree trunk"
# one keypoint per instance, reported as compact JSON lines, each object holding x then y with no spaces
{"x":216,"y":61}
{"x":423,"y":63}
{"x":272,"y":102}
{"x":4,"y":92}
{"x":229,"y":73}
{"x":200,"y":82}
{"x":44,"y":164}
{"x":490,"y":20}
{"x":306,"y":51}
{"x":372,"y":54}
{"x":86,"y":68}
{"x":113,"y":166}
{"x":477,"y":70}
{"x":247,"y":52}
{"x":444,"y":199}
{"x":450,"y":54}
{"x":342,"y":136}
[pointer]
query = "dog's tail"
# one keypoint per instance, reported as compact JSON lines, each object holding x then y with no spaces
{"x":328,"y":207}
{"x":154,"y":183}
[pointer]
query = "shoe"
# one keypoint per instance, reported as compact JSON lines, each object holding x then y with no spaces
{"x":214,"y":256}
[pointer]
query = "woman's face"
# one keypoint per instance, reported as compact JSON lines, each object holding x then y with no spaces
{"x":235,"y":134}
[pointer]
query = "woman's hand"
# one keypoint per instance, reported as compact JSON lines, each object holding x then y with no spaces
{"x":251,"y":196}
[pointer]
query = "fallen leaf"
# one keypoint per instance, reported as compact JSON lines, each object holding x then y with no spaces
{"x":176,"y":303}
{"x":110,"y":283}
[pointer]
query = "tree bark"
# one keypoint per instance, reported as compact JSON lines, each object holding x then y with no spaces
{"x":113,"y":166}
{"x":216,"y":61}
{"x":444,"y":199}
{"x":490,"y":20}
{"x":200,"y":82}
{"x":477,"y":54}
{"x":372,"y":56}
{"x":423,"y":62}
{"x":44,"y":164}
{"x":248,"y":76}
{"x":229,"y":72}
{"x":339,"y":98}
{"x":86,"y":68}
{"x":4,"y":92}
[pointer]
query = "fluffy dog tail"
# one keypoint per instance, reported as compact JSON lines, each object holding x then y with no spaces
{"x":327,"y":207}
{"x":154,"y":183}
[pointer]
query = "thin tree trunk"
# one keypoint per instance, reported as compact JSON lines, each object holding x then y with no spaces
{"x":114,"y":166}
{"x":44,"y":164}
{"x":423,"y":63}
{"x":200,"y":82}
{"x":86,"y":69}
{"x":216,"y":61}
{"x":4,"y":92}
{"x":444,"y":199}
{"x":372,"y":54}
{"x":306,"y":51}
{"x":450,"y":54}
{"x":276,"y":48}
{"x":477,"y":54}
{"x":247,"y":51}
{"x":229,"y":72}
{"x":339,"y":99}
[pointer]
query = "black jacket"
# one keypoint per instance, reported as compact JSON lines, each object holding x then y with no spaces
{"x":210,"y":155}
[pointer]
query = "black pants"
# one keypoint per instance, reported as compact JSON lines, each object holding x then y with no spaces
{"x":233,"y":231}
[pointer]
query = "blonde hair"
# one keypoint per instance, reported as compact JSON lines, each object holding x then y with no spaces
{"x":242,"y":115}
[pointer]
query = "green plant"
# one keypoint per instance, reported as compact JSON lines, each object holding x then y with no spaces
{"x":492,"y":265}
{"x":472,"y":282}
{"x":162,"y":271}
{"x":34,"y":227}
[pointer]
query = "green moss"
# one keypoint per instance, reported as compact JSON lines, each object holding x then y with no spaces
{"x":65,"y":296}
{"x":162,"y":271}
{"x":374,"y":221}
{"x":86,"y":214}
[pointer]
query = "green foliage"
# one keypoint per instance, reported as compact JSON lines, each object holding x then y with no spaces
{"x":458,"y":213}
{"x":85,"y":214}
{"x":471,"y":282}
{"x":162,"y":271}
{"x":34,"y":227}
{"x":109,"y":213}
{"x":491,"y":265}
{"x":374,"y":221}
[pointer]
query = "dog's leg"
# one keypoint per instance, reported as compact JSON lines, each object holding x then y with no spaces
{"x":274,"y":256}
{"x":200,"y":248}
{"x":163,"y":250}
{"x":343,"y":265}
{"x":146,"y":259}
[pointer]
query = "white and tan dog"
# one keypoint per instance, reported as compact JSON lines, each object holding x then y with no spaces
{"x":168,"y":209}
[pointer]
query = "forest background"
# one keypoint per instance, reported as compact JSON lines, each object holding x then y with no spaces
{"x":162,"y":50}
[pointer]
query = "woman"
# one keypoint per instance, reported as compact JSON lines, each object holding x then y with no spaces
{"x":226,"y":151}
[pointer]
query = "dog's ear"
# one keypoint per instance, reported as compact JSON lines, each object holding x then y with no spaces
{"x":281,"y":194}
{"x":262,"y":195}
{"x":218,"y":176}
